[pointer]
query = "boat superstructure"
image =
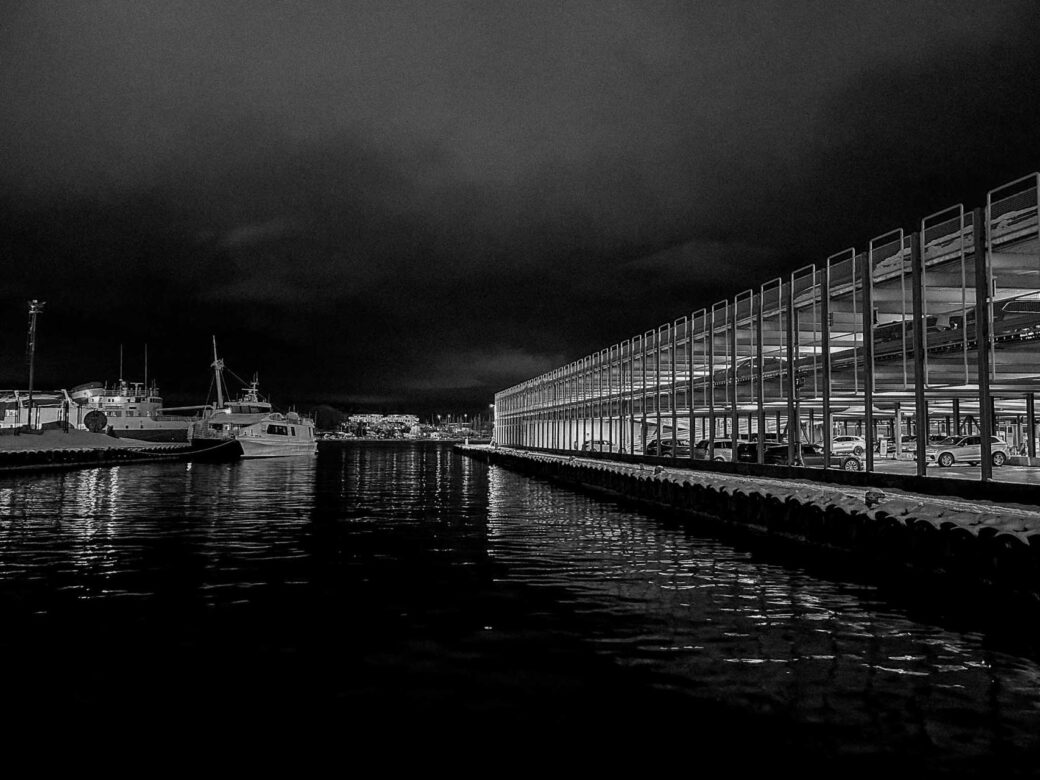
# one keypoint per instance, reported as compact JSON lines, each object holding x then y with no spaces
{"x":252,"y":422}
{"x":129,"y":410}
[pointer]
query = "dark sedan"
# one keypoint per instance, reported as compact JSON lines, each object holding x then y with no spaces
{"x":665,"y":448}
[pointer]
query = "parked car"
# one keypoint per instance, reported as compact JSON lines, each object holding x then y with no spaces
{"x":846,"y":444}
{"x":723,"y":452}
{"x":906,"y":444}
{"x":747,"y":451}
{"x":812,"y":455}
{"x":598,"y":445}
{"x":665,"y":449}
{"x":967,"y":449}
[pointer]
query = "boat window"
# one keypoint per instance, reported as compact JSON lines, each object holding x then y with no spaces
{"x":293,"y":429}
{"x":278,"y":430}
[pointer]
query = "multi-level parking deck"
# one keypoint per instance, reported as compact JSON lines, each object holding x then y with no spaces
{"x":925,"y":333}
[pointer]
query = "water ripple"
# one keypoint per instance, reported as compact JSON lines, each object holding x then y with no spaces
{"x":416,"y":581}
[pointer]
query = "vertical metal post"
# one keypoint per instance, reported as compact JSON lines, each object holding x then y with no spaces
{"x":956,"y":417}
{"x":689,"y":371}
{"x":599,"y":398}
{"x":1031,"y":425}
{"x":628,"y":385}
{"x":586,"y":403}
{"x":621,"y":397}
{"x":631,"y":397}
{"x":710,"y":342}
{"x":760,"y":388}
{"x":558,"y":412}
{"x":675,"y":417}
{"x":606,"y":417}
{"x":643,"y":434}
{"x":611,"y":433}
{"x":792,"y":379}
{"x":825,"y":332}
{"x":35,"y":307}
{"x":544,"y":412}
{"x":734,"y":413}
{"x":868,"y":361}
{"x":920,"y":403}
{"x":982,"y":342}
{"x":657,"y":388}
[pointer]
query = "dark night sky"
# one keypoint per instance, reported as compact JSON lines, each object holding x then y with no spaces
{"x":411,"y":205}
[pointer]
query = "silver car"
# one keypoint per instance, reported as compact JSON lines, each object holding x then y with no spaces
{"x":967,"y":449}
{"x":845,"y":445}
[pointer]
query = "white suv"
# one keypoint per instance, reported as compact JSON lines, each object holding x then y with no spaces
{"x":848,"y":445}
{"x":967,"y":449}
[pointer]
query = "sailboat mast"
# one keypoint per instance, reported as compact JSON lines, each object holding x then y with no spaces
{"x":120,"y":364}
{"x":146,"y":390}
{"x":217,"y":365}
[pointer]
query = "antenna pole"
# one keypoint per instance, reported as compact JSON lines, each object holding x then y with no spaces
{"x":218,"y":364}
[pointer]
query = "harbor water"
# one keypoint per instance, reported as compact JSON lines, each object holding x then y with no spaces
{"x":405,"y":590}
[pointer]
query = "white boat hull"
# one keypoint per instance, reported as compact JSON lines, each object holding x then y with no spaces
{"x":266,"y":448}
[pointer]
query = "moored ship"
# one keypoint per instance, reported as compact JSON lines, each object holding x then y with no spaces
{"x":250,"y":420}
{"x":129,"y":410}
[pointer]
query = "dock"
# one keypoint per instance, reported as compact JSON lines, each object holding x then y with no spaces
{"x":989,"y":549}
{"x":56,"y":449}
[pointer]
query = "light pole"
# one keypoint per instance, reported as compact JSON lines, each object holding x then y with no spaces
{"x":35,"y":307}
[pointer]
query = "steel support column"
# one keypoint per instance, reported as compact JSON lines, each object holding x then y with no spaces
{"x":1031,"y":425}
{"x":982,"y":342}
{"x":825,"y":311}
{"x":920,"y":404}
{"x":868,"y":361}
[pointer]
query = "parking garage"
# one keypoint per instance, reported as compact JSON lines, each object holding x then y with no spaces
{"x":924,"y":336}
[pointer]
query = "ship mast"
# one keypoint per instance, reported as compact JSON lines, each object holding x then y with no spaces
{"x":218,"y":366}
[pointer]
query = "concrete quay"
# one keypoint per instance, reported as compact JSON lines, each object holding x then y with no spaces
{"x":988,"y":549}
{"x":55,"y":449}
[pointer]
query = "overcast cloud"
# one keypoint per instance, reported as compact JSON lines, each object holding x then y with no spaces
{"x":415,"y":204}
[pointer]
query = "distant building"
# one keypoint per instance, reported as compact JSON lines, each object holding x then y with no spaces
{"x":50,"y":408}
{"x":384,"y":426}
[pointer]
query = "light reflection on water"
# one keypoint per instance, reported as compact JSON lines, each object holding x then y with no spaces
{"x":723,"y":625}
{"x":411,"y":568}
{"x":90,"y":531}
